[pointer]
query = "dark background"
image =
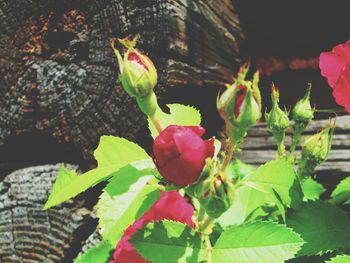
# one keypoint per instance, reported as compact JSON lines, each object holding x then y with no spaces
{"x":283,"y":39}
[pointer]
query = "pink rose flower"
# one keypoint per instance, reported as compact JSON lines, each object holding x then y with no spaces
{"x":171,"y":206}
{"x":335,"y":66}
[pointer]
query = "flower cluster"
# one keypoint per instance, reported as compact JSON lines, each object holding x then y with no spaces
{"x":183,"y":158}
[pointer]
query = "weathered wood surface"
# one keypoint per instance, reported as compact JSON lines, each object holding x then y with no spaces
{"x":260,"y":146}
{"x":29,"y":234}
{"x":58,"y":73}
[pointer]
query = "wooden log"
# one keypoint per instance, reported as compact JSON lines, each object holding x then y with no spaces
{"x":29,"y":234}
{"x":59,"y":74}
{"x":260,"y":147}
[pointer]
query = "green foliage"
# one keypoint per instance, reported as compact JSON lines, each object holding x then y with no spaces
{"x":179,"y":115}
{"x":323,"y":226}
{"x":258,"y":242}
{"x":343,"y":190}
{"x":278,"y":179}
{"x":247,"y":201}
{"x":168,"y":241}
{"x":340,"y":259}
{"x":111,"y":154}
{"x":239,"y":170}
{"x":312,"y":189}
{"x":124,"y":200}
{"x":97,"y":254}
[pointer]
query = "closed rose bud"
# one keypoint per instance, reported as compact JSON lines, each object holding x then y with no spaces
{"x":240,"y":105}
{"x":180,"y":152}
{"x":303,"y":112}
{"x":277,"y":120}
{"x":315,"y":150}
{"x":138,"y":76}
{"x":317,"y":147}
{"x":215,"y":195}
{"x":137,"y":72}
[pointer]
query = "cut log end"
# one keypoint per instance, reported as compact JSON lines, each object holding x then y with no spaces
{"x":29,"y":234}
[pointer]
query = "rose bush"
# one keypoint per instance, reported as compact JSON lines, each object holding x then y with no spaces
{"x":180,"y":153}
{"x":271,"y":213}
{"x":171,"y":206}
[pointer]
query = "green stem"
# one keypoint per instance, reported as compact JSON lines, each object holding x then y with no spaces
{"x":306,"y":168}
{"x":230,"y":150}
{"x":340,"y":199}
{"x":201,"y":213}
{"x":206,"y":224}
{"x":281,"y":149}
{"x":155,"y":119}
{"x":298,"y":131}
{"x":209,"y":249}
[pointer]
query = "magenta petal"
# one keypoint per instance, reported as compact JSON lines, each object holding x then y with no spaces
{"x":341,"y":90}
{"x":331,"y":67}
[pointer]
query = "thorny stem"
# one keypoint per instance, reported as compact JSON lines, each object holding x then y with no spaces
{"x":230,"y":150}
{"x":205,"y":229}
{"x":207,"y":223}
{"x":209,"y":249}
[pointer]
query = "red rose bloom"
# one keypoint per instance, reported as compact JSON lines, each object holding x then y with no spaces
{"x":180,"y":153}
{"x":171,"y":206}
{"x":335,"y":66}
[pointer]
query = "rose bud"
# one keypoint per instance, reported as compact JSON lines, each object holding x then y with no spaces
{"x":317,"y":147}
{"x":277,"y":120}
{"x":215,"y":195}
{"x":138,"y":75}
{"x":180,"y":152}
{"x":240,"y":105}
{"x":315,"y":150}
{"x":303,"y":113}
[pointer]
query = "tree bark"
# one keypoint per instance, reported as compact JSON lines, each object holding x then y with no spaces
{"x":59,"y":74}
{"x":29,"y":234}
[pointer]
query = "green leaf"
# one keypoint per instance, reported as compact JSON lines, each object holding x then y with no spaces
{"x":122,"y":188}
{"x":168,"y":241}
{"x":340,"y":259}
{"x":97,"y":254}
{"x":312,"y":189}
{"x":247,"y":200}
{"x":125,"y":200}
{"x":343,"y":190}
{"x":277,"y":177}
{"x":111,"y":154}
{"x":323,"y":226}
{"x":179,"y":115}
{"x":258,"y":242}
{"x":239,"y":170}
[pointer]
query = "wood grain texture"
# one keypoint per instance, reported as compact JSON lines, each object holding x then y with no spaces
{"x":59,"y":75}
{"x":29,"y":234}
{"x":260,"y":146}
